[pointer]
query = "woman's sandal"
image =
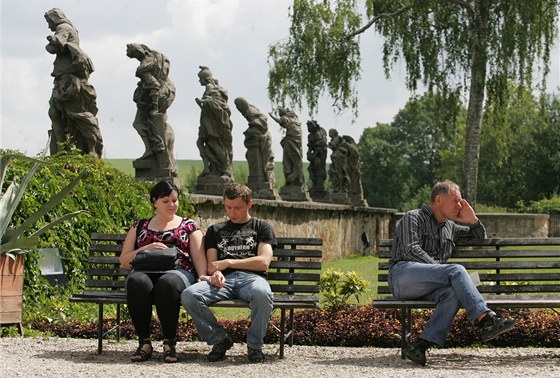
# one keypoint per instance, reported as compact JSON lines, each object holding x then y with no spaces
{"x":142,"y":355}
{"x":169,"y":353}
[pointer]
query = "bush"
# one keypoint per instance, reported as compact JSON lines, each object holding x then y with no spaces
{"x":113,"y":201}
{"x":545,"y":206}
{"x":338,"y":288}
{"x":350,"y":326}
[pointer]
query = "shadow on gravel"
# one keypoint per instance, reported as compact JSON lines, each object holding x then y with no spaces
{"x":466,"y":360}
{"x":185,"y":355}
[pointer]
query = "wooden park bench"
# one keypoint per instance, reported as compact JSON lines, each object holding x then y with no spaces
{"x":514,"y":273}
{"x":293,"y":275}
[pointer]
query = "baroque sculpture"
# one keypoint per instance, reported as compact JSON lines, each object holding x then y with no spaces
{"x":73,"y":107}
{"x":214,"y":136}
{"x":292,"y":159}
{"x":338,"y":171}
{"x":317,"y":157}
{"x":353,"y":163}
{"x":260,"y":158}
{"x":153,"y":96}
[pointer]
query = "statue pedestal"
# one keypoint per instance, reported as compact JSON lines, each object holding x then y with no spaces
{"x":149,"y":170}
{"x":340,"y":198}
{"x":294,"y":193}
{"x":358,"y":201}
{"x":212,"y":185}
{"x":320,"y":196}
{"x":262,"y":189}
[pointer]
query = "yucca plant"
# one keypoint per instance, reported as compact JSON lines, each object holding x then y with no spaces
{"x":13,"y":240}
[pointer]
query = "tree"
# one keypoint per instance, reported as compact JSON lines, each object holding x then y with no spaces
{"x":519,"y":158}
{"x":471,"y":45}
{"x":422,"y":145}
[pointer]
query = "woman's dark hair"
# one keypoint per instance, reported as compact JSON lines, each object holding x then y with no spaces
{"x":162,"y":189}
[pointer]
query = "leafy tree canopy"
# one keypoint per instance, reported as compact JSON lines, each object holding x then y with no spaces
{"x":422,"y":145}
{"x":435,"y":38}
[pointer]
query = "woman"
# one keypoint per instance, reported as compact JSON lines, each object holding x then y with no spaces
{"x":162,"y":288}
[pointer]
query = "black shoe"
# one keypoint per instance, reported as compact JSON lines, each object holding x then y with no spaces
{"x":219,"y":350}
{"x":416,"y":352}
{"x":492,"y":326}
{"x":255,"y":355}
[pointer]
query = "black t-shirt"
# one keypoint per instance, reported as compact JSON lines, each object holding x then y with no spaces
{"x":239,"y":240}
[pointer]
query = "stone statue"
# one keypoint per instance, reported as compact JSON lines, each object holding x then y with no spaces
{"x":353,"y":164}
{"x":260,"y":158}
{"x":292,"y":159}
{"x":73,"y":107}
{"x":317,"y":157}
{"x":214,"y":136}
{"x":153,"y":96}
{"x":338,"y":171}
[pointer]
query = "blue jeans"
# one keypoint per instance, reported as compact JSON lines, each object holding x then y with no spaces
{"x":246,"y":286}
{"x":448,"y":285}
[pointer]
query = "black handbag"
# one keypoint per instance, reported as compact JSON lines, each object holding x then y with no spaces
{"x":159,"y":259}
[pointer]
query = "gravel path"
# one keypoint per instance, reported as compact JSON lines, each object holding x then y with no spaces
{"x":54,"y":357}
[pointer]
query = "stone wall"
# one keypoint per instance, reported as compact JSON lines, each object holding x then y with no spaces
{"x":341,"y":227}
{"x":509,"y":225}
{"x":515,"y":225}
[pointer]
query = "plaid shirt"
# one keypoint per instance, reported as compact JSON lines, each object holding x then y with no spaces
{"x":420,"y":238}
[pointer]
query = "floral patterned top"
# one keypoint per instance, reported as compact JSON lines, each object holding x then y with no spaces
{"x":178,"y":237}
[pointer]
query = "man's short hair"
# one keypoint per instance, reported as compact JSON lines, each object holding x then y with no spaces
{"x":233,"y":191}
{"x":443,"y":187}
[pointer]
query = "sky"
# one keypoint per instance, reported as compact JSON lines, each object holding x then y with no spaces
{"x":231,"y":37}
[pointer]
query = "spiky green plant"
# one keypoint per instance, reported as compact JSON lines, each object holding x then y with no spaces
{"x":13,"y":240}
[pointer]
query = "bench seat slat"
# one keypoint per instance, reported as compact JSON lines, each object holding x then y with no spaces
{"x":297,"y":301}
{"x":506,"y":301}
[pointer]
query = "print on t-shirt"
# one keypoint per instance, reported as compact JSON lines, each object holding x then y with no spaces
{"x":237,"y":244}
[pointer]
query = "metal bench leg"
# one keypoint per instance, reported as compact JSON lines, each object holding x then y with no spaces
{"x":403,"y":331}
{"x":118,"y":322}
{"x":100,"y":330}
{"x":282,"y":331}
{"x":291,"y":328}
{"x":408,"y":325}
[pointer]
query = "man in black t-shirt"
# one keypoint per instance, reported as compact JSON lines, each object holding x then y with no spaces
{"x":239,"y":252}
